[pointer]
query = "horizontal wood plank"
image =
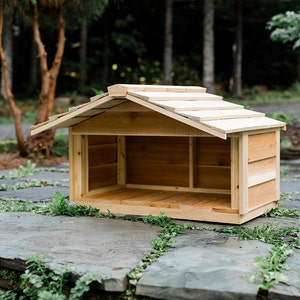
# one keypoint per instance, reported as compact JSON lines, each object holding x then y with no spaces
{"x":262,"y":194}
{"x":101,"y":139}
{"x":102,"y":154}
{"x":135,"y":123}
{"x":220,"y":114}
{"x":158,"y":174}
{"x":157,"y":153}
{"x":261,"y":146}
{"x":167,"y":96}
{"x":123,"y":89}
{"x":101,"y":176}
{"x":244,"y":124}
{"x":178,"y":105}
{"x":261,"y":171}
{"x":213,"y":177}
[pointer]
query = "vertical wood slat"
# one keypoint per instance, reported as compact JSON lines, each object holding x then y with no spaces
{"x":121,"y":160}
{"x":243,"y":173}
{"x":234,"y":173}
{"x":78,"y":151}
{"x":192,"y":161}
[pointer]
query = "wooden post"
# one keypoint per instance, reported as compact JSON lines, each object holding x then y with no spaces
{"x":243,"y":172}
{"x":277,"y":164}
{"x":121,"y":160}
{"x":192,"y":161}
{"x":78,"y":151}
{"x":234,"y":171}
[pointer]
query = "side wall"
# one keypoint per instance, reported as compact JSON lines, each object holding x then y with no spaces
{"x":259,"y":169}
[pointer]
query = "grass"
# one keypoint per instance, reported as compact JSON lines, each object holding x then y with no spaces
{"x":258,"y":95}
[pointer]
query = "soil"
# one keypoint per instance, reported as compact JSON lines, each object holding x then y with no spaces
{"x":13,"y":160}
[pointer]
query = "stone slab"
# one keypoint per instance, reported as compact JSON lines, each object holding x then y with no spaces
{"x":291,"y":289}
{"x":107,"y":247}
{"x":36,"y":194}
{"x":204,"y":265}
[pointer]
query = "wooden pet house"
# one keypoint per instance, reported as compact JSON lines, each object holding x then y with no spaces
{"x":143,"y":149}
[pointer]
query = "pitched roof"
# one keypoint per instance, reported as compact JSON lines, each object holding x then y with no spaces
{"x":190,"y":105}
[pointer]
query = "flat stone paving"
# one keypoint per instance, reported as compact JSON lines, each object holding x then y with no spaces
{"x":200,"y":265}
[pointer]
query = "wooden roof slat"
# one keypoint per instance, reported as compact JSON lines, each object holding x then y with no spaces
{"x":204,"y":115}
{"x":189,"y":105}
{"x":244,"y":124}
{"x":63,"y":121}
{"x":167,"y":96}
{"x":178,"y":117}
{"x":97,"y":97}
{"x":123,"y":89}
{"x":181,"y":105}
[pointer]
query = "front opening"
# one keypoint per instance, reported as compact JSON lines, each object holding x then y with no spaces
{"x":163,"y":172}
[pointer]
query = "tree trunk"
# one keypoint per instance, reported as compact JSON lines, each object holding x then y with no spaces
{"x":83,"y":52}
{"x":208,"y":79}
{"x":33,"y":69}
{"x":168,"y":48}
{"x":10,"y":97}
{"x":8,"y":49}
{"x":237,"y":48}
{"x":43,"y":142}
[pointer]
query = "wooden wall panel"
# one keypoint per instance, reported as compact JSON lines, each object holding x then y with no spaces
{"x":102,"y":176}
{"x":158,"y":161}
{"x":102,"y":139}
{"x":261,"y":171}
{"x":262,"y":145}
{"x":102,"y":154}
{"x":212,"y":163}
{"x":262,"y":193}
{"x":102,"y":157}
{"x":213,"y":177}
{"x":213,"y":154}
{"x":158,"y":174}
{"x":135,"y":123}
{"x":158,"y":153}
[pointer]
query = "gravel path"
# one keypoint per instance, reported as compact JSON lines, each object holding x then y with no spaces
{"x":7,"y":131}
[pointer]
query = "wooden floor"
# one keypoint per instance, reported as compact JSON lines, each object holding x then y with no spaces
{"x":163,"y":199}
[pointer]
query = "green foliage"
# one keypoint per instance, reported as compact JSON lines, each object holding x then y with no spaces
{"x":281,"y":116}
{"x":83,"y":285}
{"x":26,"y":184}
{"x":39,"y":282}
{"x":280,"y":211}
{"x":268,"y":233}
{"x":8,"y":295}
{"x":285,"y":28}
{"x":60,"y":146}
{"x":16,"y":205}
{"x":270,"y":268}
{"x":8,"y":146}
{"x":60,"y":206}
{"x":22,"y":171}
